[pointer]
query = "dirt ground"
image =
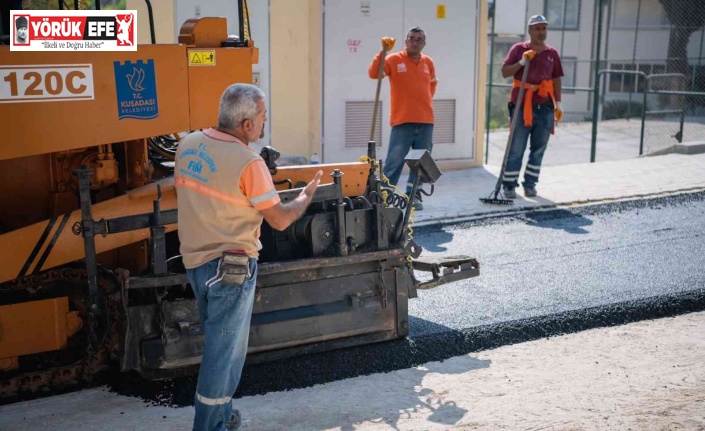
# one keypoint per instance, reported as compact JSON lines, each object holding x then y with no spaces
{"x":643,"y":376}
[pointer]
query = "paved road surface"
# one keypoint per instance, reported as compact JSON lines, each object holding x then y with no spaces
{"x":534,"y":264}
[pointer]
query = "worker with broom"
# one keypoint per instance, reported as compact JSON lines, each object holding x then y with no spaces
{"x":540,"y":107}
{"x":412,"y":81}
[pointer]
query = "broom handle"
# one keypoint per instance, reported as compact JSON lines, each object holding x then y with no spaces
{"x":380,"y":75}
{"x":513,"y":126}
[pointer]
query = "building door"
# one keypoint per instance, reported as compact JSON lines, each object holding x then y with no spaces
{"x":352,"y":32}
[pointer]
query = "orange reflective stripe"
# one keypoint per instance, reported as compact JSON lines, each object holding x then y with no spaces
{"x":545,"y":89}
{"x":208,"y":191}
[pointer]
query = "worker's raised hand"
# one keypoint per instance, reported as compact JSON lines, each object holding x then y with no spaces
{"x":310,"y":188}
{"x":559,"y":112}
{"x":388,"y":43}
{"x":527,"y":56}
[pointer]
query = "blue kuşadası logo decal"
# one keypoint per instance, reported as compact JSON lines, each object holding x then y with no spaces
{"x":136,"y":87}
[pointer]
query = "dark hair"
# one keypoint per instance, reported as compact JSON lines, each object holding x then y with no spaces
{"x":20,"y":22}
{"x":416,"y":30}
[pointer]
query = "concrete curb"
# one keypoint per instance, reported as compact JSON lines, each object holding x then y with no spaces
{"x":527,"y":208}
{"x":694,"y":147}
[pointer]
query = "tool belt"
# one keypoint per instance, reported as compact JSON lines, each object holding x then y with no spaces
{"x":234,"y":267}
{"x":544,"y":89}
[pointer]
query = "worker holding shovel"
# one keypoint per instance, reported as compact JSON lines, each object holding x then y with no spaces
{"x":412,"y":81}
{"x":540,"y":106}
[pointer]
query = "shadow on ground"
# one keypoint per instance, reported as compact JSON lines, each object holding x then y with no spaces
{"x":560,"y":219}
{"x":444,"y":343}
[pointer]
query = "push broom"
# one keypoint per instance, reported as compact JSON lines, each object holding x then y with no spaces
{"x":494,"y":197}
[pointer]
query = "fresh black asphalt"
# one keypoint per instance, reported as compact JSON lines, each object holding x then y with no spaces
{"x":543,"y":273}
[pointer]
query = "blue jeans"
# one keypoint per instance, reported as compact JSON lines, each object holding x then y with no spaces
{"x":225,"y":312}
{"x":538,"y":132}
{"x":405,"y":137}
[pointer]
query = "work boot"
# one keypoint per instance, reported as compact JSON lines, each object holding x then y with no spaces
{"x":234,"y":422}
{"x":510,"y":192}
{"x":529,"y":191}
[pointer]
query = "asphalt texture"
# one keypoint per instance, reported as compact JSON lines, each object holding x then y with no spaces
{"x":546,"y":262}
{"x":543,"y":273}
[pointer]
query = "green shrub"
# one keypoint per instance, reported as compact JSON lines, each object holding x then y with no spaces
{"x":621,"y":109}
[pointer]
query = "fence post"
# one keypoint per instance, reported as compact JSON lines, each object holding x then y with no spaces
{"x":489,"y":88}
{"x":596,"y":92}
{"x":643,"y":118}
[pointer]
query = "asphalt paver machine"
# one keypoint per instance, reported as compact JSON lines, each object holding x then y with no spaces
{"x":91,"y":276}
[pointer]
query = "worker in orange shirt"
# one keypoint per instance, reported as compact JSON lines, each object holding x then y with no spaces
{"x":540,"y":109}
{"x":412,"y":81}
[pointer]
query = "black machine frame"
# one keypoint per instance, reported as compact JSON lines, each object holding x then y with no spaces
{"x":302,"y":306}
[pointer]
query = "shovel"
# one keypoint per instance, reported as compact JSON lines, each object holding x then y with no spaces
{"x":494,"y":197}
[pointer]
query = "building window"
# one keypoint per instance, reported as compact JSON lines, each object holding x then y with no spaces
{"x":500,"y":51}
{"x":650,"y":14}
{"x":563,"y":14}
{"x":625,"y":83}
{"x":569,"y":65}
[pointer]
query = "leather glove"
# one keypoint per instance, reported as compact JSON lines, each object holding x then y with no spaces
{"x":558,"y":112}
{"x":388,"y":43}
{"x":527,"y":56}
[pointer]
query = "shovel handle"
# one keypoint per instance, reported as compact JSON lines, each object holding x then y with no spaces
{"x":380,"y":75}
{"x":513,"y":126}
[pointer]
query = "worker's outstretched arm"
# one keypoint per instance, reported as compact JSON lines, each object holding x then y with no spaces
{"x":280,"y":216}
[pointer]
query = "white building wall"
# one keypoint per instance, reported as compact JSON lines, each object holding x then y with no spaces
{"x":352,"y":33}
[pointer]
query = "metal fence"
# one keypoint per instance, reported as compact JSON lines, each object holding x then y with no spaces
{"x":647,"y":101}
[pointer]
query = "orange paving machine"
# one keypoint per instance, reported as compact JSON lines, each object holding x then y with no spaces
{"x":91,"y":274}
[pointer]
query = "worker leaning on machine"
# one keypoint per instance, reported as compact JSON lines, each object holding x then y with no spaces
{"x":221,"y":205}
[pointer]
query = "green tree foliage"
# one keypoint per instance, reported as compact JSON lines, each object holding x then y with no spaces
{"x":687,"y":16}
{"x":70,"y":4}
{"x":499,"y":116}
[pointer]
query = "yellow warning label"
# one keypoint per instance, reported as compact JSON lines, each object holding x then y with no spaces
{"x":201,"y":57}
{"x":441,"y":11}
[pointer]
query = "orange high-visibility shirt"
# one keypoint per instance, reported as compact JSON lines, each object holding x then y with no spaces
{"x":412,"y":86}
{"x":222,"y":185}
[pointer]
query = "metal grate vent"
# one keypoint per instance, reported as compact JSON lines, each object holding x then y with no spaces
{"x":358,"y":120}
{"x":444,"y":127}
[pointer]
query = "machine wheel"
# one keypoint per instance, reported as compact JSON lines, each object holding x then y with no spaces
{"x":165,"y":146}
